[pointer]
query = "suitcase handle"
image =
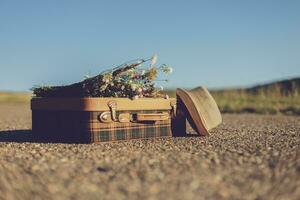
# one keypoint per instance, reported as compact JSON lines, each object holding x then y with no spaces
{"x":152,"y":116}
{"x":137,"y":117}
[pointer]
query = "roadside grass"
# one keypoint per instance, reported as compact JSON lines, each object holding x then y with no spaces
{"x":15,"y":97}
{"x":239,"y":101}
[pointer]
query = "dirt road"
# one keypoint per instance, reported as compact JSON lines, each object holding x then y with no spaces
{"x":247,"y":157}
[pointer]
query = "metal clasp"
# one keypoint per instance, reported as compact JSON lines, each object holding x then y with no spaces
{"x":113,"y":109}
{"x":105,"y":117}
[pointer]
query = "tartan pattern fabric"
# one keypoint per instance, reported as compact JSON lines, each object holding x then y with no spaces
{"x":126,"y":133}
{"x":101,"y":132}
{"x":85,"y":127}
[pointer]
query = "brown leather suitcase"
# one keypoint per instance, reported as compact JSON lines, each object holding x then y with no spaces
{"x":89,"y":120}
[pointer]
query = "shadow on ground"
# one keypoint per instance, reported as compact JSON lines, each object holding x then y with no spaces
{"x":17,"y":136}
{"x":26,"y":135}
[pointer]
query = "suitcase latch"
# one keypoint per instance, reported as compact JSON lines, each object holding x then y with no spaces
{"x":105,"y":117}
{"x":113,"y":110}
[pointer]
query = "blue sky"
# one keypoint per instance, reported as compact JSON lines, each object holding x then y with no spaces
{"x":212,"y":43}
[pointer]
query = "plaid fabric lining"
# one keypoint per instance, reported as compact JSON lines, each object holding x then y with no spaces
{"x":126,"y":134}
{"x":113,"y":131}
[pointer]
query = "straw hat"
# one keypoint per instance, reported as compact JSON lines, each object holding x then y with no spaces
{"x":201,"y":107}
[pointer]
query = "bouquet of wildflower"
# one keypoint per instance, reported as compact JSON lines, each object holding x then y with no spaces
{"x":131,"y":80}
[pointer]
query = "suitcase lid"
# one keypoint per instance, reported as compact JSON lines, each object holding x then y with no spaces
{"x":101,"y":104}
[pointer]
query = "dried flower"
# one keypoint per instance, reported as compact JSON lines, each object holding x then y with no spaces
{"x":118,"y":79}
{"x":107,"y":77}
{"x":140,"y":90}
{"x":166,"y":69}
{"x":151,"y":74}
{"x":130,"y":80}
{"x":140,"y":61}
{"x":153,"y":60}
{"x":136,"y":76}
{"x":103,"y":87}
{"x":87,"y":76}
{"x":133,"y":87}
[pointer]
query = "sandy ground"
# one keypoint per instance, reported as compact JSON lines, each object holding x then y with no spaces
{"x":247,"y":157}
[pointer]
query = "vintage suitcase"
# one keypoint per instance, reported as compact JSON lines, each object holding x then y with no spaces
{"x":89,"y":120}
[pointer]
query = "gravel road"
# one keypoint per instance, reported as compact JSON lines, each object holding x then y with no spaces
{"x":248,"y":157}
